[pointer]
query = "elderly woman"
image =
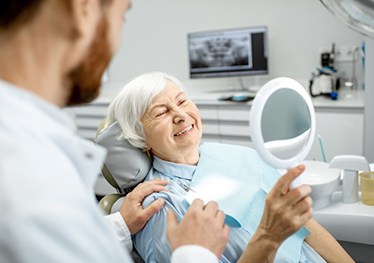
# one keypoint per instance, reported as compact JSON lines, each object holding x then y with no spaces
{"x":156,"y":115}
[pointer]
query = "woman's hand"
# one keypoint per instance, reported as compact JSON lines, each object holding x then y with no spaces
{"x":286,"y":210}
{"x":132,"y":210}
{"x":201,"y":225}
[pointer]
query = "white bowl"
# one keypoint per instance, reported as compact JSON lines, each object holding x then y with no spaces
{"x":323,"y":180}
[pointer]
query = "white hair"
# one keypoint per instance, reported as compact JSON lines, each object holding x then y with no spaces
{"x":132,"y":102}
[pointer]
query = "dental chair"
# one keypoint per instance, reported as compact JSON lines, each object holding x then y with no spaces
{"x":124,"y":168}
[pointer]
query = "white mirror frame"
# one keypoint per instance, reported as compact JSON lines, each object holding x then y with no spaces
{"x":257,"y":108}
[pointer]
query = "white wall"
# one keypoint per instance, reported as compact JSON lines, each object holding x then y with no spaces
{"x":155,"y":37}
{"x":369,"y":105}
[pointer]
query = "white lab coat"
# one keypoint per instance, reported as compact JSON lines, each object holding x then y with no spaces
{"x":47,"y":205}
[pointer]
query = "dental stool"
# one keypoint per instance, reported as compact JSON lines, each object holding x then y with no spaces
{"x":124,"y":168}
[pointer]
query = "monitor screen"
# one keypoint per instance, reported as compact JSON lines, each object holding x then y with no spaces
{"x":232,"y":52}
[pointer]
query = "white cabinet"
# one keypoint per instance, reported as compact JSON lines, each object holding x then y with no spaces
{"x":88,"y":117}
{"x":209,"y":117}
{"x":225,"y":122}
{"x":341,"y":131}
{"x":340,"y":127}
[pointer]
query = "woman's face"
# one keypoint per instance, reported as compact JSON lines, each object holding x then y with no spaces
{"x":172,"y":126}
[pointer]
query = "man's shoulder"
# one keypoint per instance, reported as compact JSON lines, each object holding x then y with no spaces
{"x":31,"y":161}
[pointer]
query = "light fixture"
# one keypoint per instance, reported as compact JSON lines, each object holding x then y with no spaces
{"x":356,"y":14}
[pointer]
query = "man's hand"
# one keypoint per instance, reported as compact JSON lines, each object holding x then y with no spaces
{"x":132,"y":210}
{"x":201,"y":225}
{"x":286,"y":209}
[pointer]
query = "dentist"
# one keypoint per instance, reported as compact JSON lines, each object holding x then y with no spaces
{"x":53,"y":53}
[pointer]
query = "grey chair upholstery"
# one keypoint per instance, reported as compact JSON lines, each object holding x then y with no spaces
{"x":124,"y":168}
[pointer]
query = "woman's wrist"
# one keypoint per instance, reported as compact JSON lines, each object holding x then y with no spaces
{"x":266,"y":239}
{"x":262,"y":248}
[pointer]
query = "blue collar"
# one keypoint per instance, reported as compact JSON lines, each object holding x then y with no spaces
{"x":170,"y":169}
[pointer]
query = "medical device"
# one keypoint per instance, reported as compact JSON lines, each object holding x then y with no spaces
{"x":230,"y":52}
{"x":326,"y":82}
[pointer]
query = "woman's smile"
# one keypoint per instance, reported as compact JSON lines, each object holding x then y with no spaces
{"x":185,"y":130}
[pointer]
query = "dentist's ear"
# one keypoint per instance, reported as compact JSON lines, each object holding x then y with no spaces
{"x":85,"y":15}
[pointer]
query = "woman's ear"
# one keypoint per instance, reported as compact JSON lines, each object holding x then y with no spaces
{"x":148,"y":151}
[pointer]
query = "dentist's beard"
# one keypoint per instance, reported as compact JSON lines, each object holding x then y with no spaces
{"x":85,"y":79}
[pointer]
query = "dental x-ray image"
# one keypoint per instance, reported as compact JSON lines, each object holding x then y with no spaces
{"x":221,"y":50}
{"x":228,"y":52}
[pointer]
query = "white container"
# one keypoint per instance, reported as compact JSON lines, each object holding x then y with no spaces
{"x":323,"y":180}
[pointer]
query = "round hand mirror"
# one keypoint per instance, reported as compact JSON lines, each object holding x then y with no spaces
{"x":282,"y":123}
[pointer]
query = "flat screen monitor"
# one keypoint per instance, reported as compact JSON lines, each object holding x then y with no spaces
{"x":230,"y":52}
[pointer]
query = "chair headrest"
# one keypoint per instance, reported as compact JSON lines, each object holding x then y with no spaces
{"x":127,"y":165}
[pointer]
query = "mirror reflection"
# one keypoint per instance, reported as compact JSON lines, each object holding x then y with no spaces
{"x":285,"y":123}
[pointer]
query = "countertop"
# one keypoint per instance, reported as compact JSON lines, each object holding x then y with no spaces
{"x":346,"y":99}
{"x":348,"y":222}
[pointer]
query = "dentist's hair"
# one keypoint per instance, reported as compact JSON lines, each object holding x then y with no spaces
{"x":14,"y":13}
{"x":133,"y":101}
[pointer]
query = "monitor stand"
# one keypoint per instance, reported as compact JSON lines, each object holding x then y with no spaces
{"x":241,"y":88}
{"x":254,"y":88}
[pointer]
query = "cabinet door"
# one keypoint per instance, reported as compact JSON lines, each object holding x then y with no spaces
{"x":88,"y":118}
{"x":209,"y":118}
{"x":341,"y":133}
{"x":234,"y":124}
{"x":234,"y":112}
{"x":226,"y":123}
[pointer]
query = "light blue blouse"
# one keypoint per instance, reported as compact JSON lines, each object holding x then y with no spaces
{"x":152,"y":243}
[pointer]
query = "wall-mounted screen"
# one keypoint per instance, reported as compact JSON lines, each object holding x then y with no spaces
{"x":231,"y":52}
